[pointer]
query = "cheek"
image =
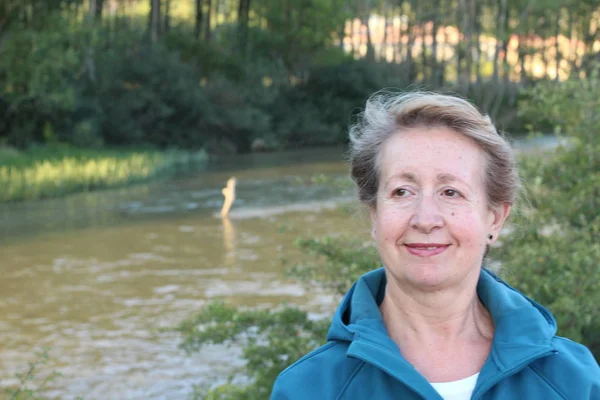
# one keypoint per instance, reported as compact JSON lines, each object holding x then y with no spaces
{"x":391,"y":224}
{"x":468,"y":226}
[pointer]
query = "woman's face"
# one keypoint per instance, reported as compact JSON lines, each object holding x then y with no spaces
{"x":432,"y":220}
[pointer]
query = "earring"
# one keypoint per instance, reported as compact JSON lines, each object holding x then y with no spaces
{"x":490,"y":236}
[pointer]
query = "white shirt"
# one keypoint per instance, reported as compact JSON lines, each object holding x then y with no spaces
{"x":457,"y":390}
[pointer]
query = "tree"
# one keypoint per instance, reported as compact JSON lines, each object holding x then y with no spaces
{"x":155,"y":20}
{"x":198,"y":18}
{"x":207,"y":22}
{"x":299,"y":29}
{"x":243,"y":16}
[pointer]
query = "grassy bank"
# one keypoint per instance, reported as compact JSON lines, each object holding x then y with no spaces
{"x":52,"y":172}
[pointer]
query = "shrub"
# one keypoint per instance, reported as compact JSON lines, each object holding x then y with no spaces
{"x":38,"y":82}
{"x":319,"y":109}
{"x":272,"y":340}
{"x":553,"y":254}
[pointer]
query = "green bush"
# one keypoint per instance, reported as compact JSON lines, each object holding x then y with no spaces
{"x":86,"y":86}
{"x":319,"y":110}
{"x":553,"y":254}
{"x":273,"y":339}
{"x":147,"y":95}
{"x":39,"y":74}
{"x":208,"y":59}
{"x":32,"y":382}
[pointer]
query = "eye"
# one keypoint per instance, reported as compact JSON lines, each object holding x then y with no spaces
{"x":400,"y":192}
{"x":451,"y":193}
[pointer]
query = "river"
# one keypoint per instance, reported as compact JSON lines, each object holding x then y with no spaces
{"x":95,"y":276}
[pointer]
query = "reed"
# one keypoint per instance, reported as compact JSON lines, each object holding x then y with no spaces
{"x":47,"y":172}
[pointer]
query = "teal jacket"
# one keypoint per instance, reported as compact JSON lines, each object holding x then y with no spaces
{"x":360,"y":361}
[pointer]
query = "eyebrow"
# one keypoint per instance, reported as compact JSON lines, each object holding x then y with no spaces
{"x":412,"y":178}
{"x":406,"y":176}
{"x":447,"y":178}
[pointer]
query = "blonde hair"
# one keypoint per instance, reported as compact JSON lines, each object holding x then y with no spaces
{"x":387,"y":114}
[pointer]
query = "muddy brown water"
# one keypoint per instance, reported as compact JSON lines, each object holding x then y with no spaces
{"x":94,"y":276}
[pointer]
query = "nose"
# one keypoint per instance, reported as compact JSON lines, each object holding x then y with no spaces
{"x":427,"y":216}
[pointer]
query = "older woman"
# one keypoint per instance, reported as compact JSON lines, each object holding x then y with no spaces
{"x":439,"y":181}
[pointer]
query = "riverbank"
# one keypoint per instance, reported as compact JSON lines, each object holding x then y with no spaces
{"x":57,"y":171}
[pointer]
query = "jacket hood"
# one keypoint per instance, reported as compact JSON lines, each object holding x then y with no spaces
{"x":523,"y":328}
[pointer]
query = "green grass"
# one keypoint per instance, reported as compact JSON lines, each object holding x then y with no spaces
{"x":57,"y":171}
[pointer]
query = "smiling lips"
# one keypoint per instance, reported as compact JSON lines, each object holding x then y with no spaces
{"x":426,"y":249}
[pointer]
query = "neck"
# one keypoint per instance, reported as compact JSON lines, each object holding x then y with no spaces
{"x":444,"y":316}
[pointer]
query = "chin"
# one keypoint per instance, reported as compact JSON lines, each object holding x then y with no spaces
{"x":428,"y":275}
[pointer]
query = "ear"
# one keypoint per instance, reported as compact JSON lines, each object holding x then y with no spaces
{"x":497,"y":216}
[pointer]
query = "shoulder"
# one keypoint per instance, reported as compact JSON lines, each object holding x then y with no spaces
{"x":572,"y":371}
{"x":321,"y":374}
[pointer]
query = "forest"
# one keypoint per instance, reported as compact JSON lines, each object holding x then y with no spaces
{"x":250,"y":75}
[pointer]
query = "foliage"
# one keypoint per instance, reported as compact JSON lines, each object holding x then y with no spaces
{"x":553,"y":255}
{"x":335,"y":263}
{"x":319,"y":109}
{"x":51,"y":172}
{"x":31,"y":385}
{"x":161,"y":99}
{"x":271,"y":339}
{"x":160,"y":102}
{"x":38,"y":69}
{"x":297,"y":29}
{"x":91,"y":81}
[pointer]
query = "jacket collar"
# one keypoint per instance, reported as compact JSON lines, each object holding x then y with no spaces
{"x":523,"y":330}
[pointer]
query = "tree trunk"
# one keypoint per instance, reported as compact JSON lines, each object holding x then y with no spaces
{"x":167,"y":20}
{"x":589,"y":38}
{"x":342,"y":35}
{"x":523,"y":74}
{"x":435,"y":65}
{"x":400,"y":34}
{"x":384,"y":45}
{"x":92,"y":10}
{"x":167,"y":24}
{"x":505,"y":66}
{"x":469,"y":39}
{"x":460,"y":44}
{"x":501,"y":37}
{"x":99,"y":8}
{"x":523,"y":25}
{"x":243,"y":17}
{"x":370,"y":49}
{"x":409,"y":48}
{"x":422,"y":22}
{"x":89,"y":59}
{"x":154,"y":20}
{"x":557,"y":54}
{"x":207,"y":30}
{"x":478,"y":55}
{"x":572,"y":54}
{"x":199,"y":15}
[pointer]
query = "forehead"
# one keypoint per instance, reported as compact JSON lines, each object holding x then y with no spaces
{"x":428,"y":152}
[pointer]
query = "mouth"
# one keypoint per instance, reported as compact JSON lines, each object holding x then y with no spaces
{"x":426,"y":249}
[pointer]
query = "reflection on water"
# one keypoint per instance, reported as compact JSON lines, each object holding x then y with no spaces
{"x":229,"y":242}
